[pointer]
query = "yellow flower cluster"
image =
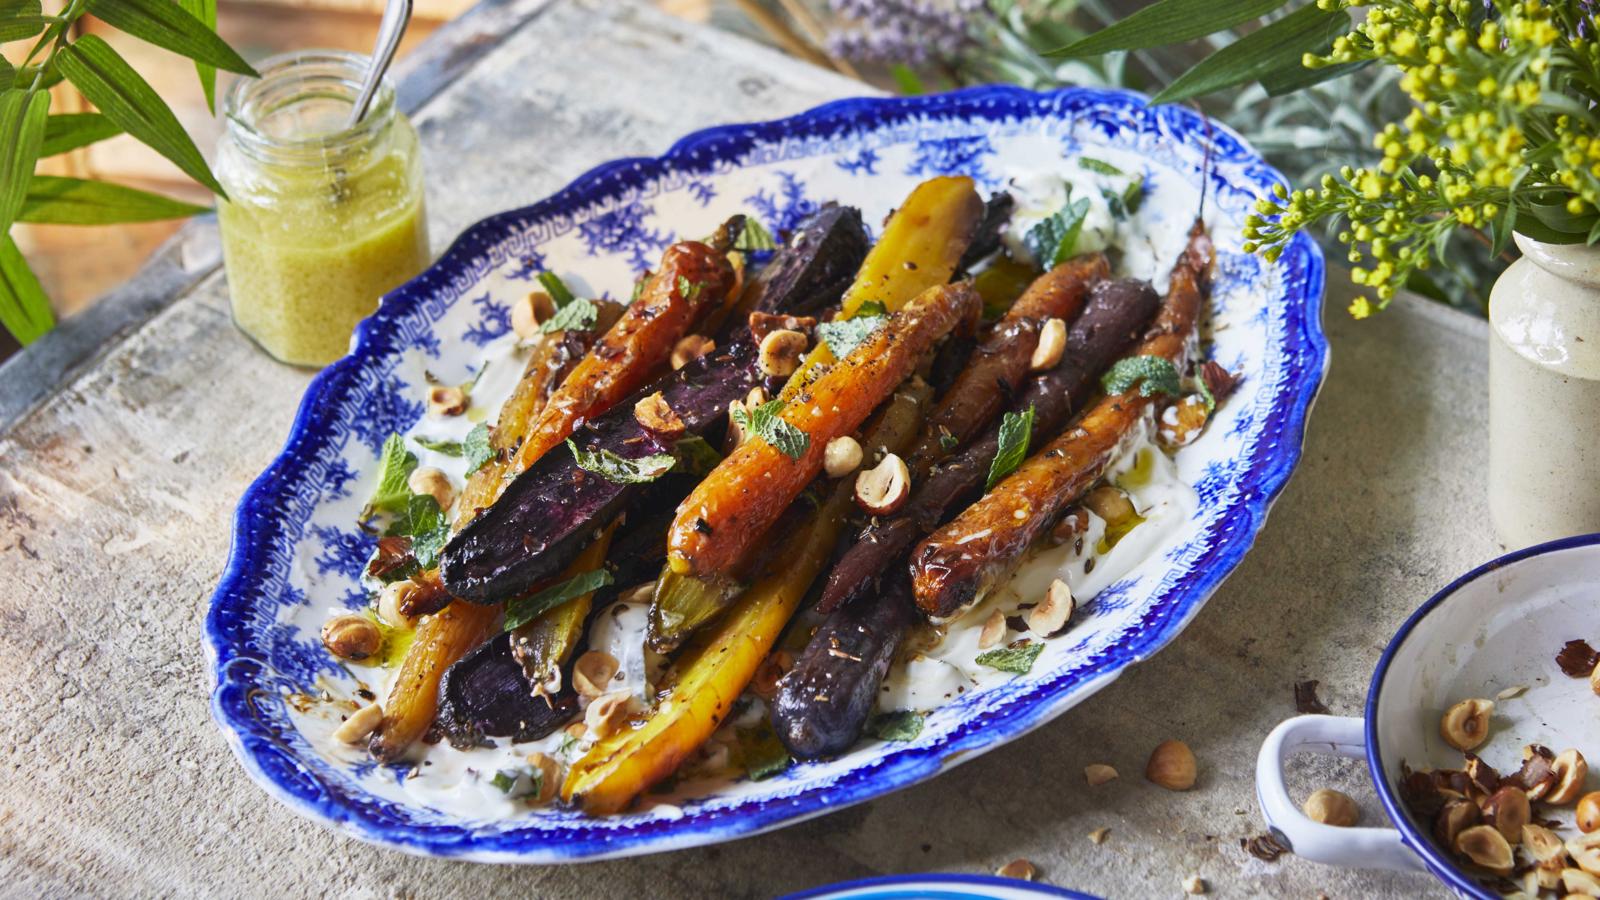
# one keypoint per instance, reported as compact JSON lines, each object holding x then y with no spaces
{"x":1501,"y":135}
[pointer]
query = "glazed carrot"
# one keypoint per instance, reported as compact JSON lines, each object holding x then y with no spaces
{"x":734,"y":506}
{"x":719,"y":662}
{"x":960,"y":562}
{"x":999,"y":364}
{"x":693,"y":279}
{"x":441,"y":639}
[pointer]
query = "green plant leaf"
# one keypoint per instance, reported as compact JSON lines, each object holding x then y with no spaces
{"x":1168,"y":22}
{"x":395,"y":464}
{"x":525,"y":609}
{"x":560,"y":294}
{"x":206,"y":12}
{"x":476,"y":447}
{"x":24,"y":308}
{"x":128,"y":100}
{"x":22,"y":117}
{"x":170,"y":27}
{"x":69,"y":131}
{"x":907,"y":81}
{"x":1152,"y":374}
{"x":1016,"y":431}
{"x":1259,"y":53}
{"x":8,"y":73}
{"x":1016,"y":660}
{"x":1293,"y":76}
{"x":764,"y":422}
{"x":74,"y":201}
{"x":20,"y":20}
{"x":619,"y":469}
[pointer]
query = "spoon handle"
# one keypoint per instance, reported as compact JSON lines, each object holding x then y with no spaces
{"x":396,"y":15}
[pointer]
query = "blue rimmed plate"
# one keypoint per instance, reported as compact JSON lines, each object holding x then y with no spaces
{"x":937,"y":887}
{"x":297,"y":555}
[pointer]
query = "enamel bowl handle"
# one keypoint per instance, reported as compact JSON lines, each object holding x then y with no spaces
{"x":1355,"y":848}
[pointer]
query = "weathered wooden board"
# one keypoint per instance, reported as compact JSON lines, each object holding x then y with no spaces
{"x":116,"y":496}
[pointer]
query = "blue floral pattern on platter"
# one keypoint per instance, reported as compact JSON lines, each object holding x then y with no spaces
{"x":292,"y":542}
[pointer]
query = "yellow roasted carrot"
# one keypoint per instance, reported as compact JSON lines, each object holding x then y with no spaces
{"x":442,"y":638}
{"x":717,"y":665}
{"x":921,"y":245}
{"x":546,"y":643}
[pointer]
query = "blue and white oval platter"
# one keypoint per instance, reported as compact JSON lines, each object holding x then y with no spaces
{"x":297,"y":554}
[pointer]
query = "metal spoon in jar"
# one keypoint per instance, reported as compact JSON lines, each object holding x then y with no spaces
{"x":396,"y":15}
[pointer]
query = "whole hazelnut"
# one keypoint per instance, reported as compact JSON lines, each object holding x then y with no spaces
{"x":1172,"y":766}
{"x":1588,"y":814}
{"x":1331,"y":807}
{"x":351,"y":637}
{"x":842,"y":456}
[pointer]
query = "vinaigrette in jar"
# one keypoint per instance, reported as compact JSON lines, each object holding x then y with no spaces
{"x":321,"y":218}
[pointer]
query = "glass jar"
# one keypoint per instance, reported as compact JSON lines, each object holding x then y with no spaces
{"x":321,"y":218}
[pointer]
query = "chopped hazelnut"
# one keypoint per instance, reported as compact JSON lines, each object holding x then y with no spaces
{"x":1541,"y":843}
{"x":655,"y":414}
{"x":691,"y":347}
{"x":1571,"y":772}
{"x":607,"y":713}
{"x":780,"y":353}
{"x":1098,"y":836}
{"x":1331,"y":807}
{"x":361,"y":723}
{"x":1172,"y":766}
{"x":842,"y":456}
{"x":763,"y":324}
{"x":883,"y":489}
{"x":1110,"y":504}
{"x":1585,"y":852}
{"x":530,"y":312}
{"x":1098,"y":773}
{"x":1455,"y":817}
{"x":444,"y":402}
{"x":1577,"y":882}
{"x":1052,"y":341}
{"x":1194,"y":884}
{"x":592,"y":673}
{"x":1052,"y":613}
{"x":392,"y":603}
{"x":1507,"y":809}
{"x":1183,"y":421}
{"x":770,"y":672}
{"x":1486,"y":847}
{"x":351,"y":637}
{"x":433,"y":482}
{"x":1466,"y":725}
{"x":994,"y":630}
{"x":1017,"y":868}
{"x":1588,"y":814}
{"x":1073,"y":524}
{"x":549,"y":769}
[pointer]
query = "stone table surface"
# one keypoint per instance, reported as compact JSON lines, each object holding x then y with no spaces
{"x":118,"y":481}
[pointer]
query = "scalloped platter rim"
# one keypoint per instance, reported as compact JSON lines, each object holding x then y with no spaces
{"x":295,"y":556}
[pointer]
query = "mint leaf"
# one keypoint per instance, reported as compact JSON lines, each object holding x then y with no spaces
{"x":425,"y":524}
{"x":1153,"y":374}
{"x":1095,"y":165}
{"x":577,"y":315}
{"x":505,"y":781}
{"x":763,"y":422}
{"x":1016,"y":430}
{"x":688,"y":290}
{"x":523,"y":610}
{"x":947,"y":441}
{"x":871,"y":308}
{"x":620,"y":469}
{"x":761,"y":753}
{"x":755,"y":236}
{"x":843,"y":336}
{"x":1133,"y":197}
{"x":395,"y":464}
{"x":1016,"y":660}
{"x":900,"y":725}
{"x":438,"y":445}
{"x":695,"y":456}
{"x":556,"y":288}
{"x":476,"y":447}
{"x":519,"y":782}
{"x":1053,"y":240}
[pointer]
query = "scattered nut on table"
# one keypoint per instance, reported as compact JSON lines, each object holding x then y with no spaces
{"x":1099,"y":835}
{"x":1098,"y":773}
{"x":1331,"y":807}
{"x":351,"y":636}
{"x":1017,"y":868}
{"x":1172,"y":766}
{"x":359,"y":725}
{"x":1466,"y":725}
{"x":1194,"y":884}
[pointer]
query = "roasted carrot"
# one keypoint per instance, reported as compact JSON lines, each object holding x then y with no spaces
{"x":959,"y":563}
{"x":998,"y":365}
{"x":693,"y":279}
{"x":738,"y":502}
{"x":718,"y":663}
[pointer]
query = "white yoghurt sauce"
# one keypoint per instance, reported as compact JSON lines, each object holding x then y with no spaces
{"x":932,"y":669}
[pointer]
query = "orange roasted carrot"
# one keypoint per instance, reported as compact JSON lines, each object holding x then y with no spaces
{"x":999,"y":364}
{"x":956,"y":565}
{"x":693,"y":279}
{"x":735,"y":505}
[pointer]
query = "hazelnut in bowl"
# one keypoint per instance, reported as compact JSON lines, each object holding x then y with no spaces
{"x":1481,"y":722}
